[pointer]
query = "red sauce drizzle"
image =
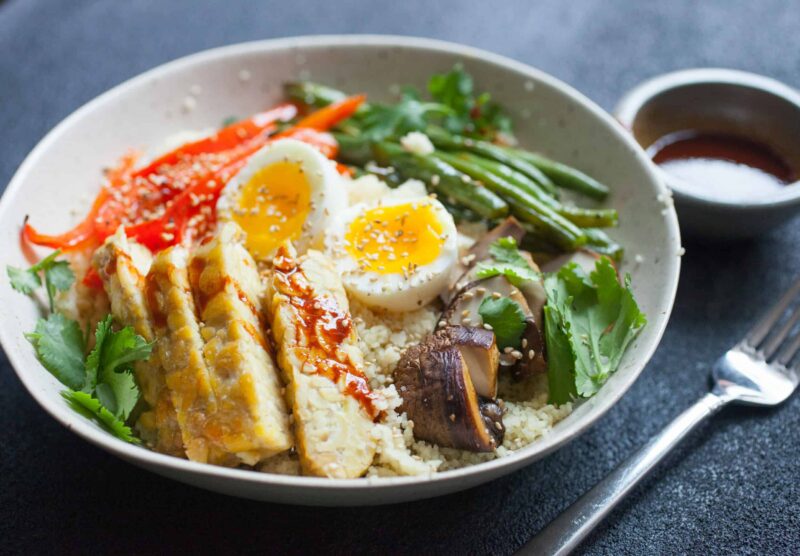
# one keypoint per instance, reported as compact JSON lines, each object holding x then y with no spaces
{"x":325,"y":327}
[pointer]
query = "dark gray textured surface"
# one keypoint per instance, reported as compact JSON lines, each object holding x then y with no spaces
{"x":732,"y":488}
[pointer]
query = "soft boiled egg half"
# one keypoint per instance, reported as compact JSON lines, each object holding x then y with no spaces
{"x":287,"y":191}
{"x":395,"y":254}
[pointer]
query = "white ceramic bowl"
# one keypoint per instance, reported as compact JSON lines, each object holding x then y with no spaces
{"x":63,"y":172}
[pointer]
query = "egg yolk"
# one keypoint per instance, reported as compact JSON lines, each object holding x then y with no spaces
{"x":395,"y":239}
{"x":273,"y":206}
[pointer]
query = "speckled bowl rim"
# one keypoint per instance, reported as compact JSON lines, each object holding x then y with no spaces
{"x":175,"y":467}
{"x":631,"y":103}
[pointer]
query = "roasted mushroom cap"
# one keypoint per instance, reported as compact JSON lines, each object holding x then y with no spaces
{"x":434,"y":379}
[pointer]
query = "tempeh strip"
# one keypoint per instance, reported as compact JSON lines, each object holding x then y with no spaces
{"x":252,"y":420}
{"x":180,"y":349}
{"x":318,"y":353}
{"x":122,"y":266}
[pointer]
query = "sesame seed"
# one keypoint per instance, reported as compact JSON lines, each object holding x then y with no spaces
{"x":487,"y":326}
{"x":531,"y":354}
{"x":524,"y":342}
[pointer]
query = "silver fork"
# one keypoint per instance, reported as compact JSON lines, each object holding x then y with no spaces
{"x":757,"y":371}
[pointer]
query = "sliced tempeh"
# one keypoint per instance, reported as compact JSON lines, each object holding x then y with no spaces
{"x":318,"y":353}
{"x":180,"y":349}
{"x":122,"y":265}
{"x":253,"y":420}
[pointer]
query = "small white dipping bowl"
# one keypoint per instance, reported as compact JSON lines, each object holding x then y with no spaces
{"x":57,"y":180}
{"x":722,"y":101}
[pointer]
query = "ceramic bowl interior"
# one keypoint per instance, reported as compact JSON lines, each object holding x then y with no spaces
{"x":56,"y":182}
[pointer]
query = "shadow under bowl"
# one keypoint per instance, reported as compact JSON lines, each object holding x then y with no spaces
{"x":729,"y":102}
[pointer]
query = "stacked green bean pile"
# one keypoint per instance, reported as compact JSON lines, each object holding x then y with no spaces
{"x":473,"y":174}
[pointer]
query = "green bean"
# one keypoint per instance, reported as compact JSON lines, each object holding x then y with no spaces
{"x":313,"y":94}
{"x":526,"y":207}
{"x":512,"y":176}
{"x":563,"y":175}
{"x":583,"y":217}
{"x":353,"y":150}
{"x":443,"y":179}
{"x":590,"y":218}
{"x":599,"y":242}
{"x":444,"y":140}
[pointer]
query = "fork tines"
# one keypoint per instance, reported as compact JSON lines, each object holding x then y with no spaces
{"x":772,"y":330}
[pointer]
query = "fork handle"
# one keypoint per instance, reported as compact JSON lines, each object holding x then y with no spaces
{"x":567,"y":531}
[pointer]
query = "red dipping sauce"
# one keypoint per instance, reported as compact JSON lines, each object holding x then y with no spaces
{"x":727,"y":167}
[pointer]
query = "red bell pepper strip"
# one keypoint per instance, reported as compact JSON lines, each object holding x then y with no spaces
{"x":201,"y":169}
{"x":226,"y":138}
{"x":83,"y":234}
{"x":114,"y":203}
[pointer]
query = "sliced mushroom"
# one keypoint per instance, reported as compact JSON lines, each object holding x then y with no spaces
{"x":435,"y":381}
{"x":479,"y":350}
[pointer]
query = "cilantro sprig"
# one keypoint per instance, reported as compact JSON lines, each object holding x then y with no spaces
{"x":453,"y":105}
{"x":470,"y":114}
{"x":100,"y":385}
{"x":589,"y":322}
{"x":57,"y":277}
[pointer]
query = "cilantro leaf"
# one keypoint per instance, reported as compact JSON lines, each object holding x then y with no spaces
{"x":507,"y":261}
{"x":58,"y":342}
{"x":57,"y":276}
{"x":23,"y":280}
{"x":93,"y":359}
{"x":383,"y":121}
{"x":91,"y":408}
{"x":590,"y":321}
{"x":506,"y":318}
{"x":560,"y":357}
{"x":109,"y":367}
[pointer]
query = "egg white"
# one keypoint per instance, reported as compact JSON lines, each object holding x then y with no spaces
{"x":328,"y":197}
{"x":398,"y":292}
